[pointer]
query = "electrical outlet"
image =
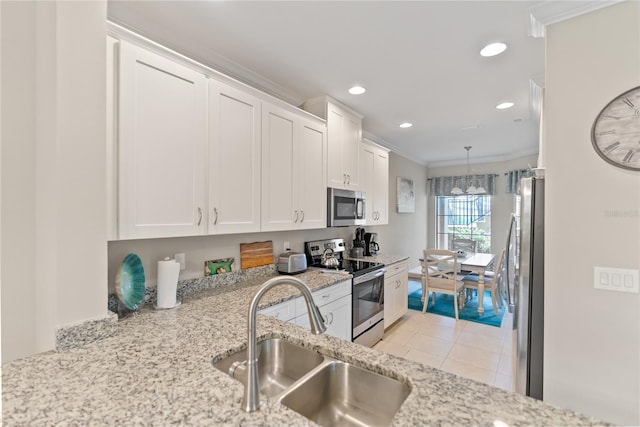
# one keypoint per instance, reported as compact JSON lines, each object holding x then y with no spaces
{"x":182,"y":259}
{"x":287,"y":247}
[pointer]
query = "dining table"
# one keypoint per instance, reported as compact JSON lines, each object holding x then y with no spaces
{"x":479,"y":263}
{"x":476,"y":262}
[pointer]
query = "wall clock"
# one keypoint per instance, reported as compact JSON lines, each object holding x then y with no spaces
{"x":615,"y":133}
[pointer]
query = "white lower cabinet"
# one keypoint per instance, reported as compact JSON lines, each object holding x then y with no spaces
{"x":336,"y":315}
{"x":334,"y":303}
{"x":396,"y":292}
{"x":285,"y":311}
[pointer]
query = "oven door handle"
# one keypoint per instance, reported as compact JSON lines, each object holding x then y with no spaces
{"x":369,"y":276}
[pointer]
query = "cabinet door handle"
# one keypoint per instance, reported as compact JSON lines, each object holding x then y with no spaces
{"x":327,"y":320}
{"x":348,"y":179}
{"x":302,"y":219}
{"x":199,"y":216}
{"x":326,"y":296}
{"x":215,"y":212}
{"x":344,"y":178}
{"x":296,"y":219}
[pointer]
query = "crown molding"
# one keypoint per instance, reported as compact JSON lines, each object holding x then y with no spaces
{"x":482,"y":160}
{"x":444,"y":163}
{"x":550,"y":12}
{"x":396,"y":150}
{"x":223,"y":66}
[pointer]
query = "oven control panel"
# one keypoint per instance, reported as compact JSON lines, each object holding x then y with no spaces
{"x":317,"y":247}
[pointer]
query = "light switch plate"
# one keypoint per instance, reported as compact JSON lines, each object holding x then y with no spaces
{"x":616,"y":279}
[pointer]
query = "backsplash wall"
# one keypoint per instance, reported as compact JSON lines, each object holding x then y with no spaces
{"x":199,"y":249}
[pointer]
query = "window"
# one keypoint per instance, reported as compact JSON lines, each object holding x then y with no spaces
{"x":463,"y":217}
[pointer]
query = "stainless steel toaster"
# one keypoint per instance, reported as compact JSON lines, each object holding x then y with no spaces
{"x":292,"y":263}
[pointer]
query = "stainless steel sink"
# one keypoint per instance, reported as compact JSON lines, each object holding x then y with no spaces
{"x":280,"y":364}
{"x":341,"y":394}
{"x":327,"y":391}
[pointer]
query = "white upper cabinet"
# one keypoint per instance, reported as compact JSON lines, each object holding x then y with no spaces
{"x":293,"y":165}
{"x":279,"y":169}
{"x":374,"y":181}
{"x":312,"y":174}
{"x":234,"y":160}
{"x":344,"y":134}
{"x":162,"y":146}
{"x":192,"y":152}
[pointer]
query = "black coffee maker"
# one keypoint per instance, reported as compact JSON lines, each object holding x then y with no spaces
{"x":371,"y":246}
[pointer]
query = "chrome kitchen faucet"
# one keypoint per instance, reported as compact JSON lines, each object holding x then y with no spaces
{"x":251,"y":401}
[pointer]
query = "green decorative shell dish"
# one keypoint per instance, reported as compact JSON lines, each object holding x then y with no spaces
{"x":130,"y":282}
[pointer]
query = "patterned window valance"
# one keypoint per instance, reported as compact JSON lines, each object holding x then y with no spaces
{"x":442,"y":185}
{"x":514,"y":177}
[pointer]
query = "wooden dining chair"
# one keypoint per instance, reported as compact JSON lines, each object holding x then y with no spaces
{"x":491,"y":283}
{"x":440,"y":275}
{"x":466,"y":245}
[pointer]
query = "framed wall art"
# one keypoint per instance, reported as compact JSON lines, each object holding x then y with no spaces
{"x":406,"y":197}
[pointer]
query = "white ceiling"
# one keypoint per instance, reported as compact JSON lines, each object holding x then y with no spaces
{"x":419,"y":61}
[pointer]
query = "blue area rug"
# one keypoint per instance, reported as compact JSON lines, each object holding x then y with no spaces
{"x":444,"y":306}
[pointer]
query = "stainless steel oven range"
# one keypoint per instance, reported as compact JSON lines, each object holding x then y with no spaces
{"x":368,"y":288}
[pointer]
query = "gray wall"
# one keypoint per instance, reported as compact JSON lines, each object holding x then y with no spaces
{"x":53,"y":170}
{"x":592,"y":336}
{"x":405,"y":235}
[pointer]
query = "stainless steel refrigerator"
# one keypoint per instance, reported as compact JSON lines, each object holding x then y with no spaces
{"x":528,"y":295}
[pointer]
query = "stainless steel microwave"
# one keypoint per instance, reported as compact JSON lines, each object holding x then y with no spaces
{"x":345,"y":207}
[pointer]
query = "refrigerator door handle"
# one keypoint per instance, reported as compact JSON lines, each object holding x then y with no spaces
{"x":510,"y":293}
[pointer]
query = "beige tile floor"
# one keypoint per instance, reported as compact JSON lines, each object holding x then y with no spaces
{"x":472,"y":350}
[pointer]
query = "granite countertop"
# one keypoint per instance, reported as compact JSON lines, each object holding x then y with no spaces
{"x":158,"y":371}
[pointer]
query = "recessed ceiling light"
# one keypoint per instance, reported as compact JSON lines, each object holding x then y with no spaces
{"x":357,"y":90}
{"x":493,"y":49}
{"x":406,"y":125}
{"x":504,"y":105}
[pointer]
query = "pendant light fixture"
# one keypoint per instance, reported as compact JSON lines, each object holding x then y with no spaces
{"x":471,"y":188}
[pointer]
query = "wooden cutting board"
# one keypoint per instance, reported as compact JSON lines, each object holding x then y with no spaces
{"x":256,"y":254}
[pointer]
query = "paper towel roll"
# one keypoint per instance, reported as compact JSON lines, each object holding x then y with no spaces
{"x":168,"y":271}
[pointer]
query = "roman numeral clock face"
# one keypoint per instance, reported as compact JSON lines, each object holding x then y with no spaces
{"x":616,"y":131}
